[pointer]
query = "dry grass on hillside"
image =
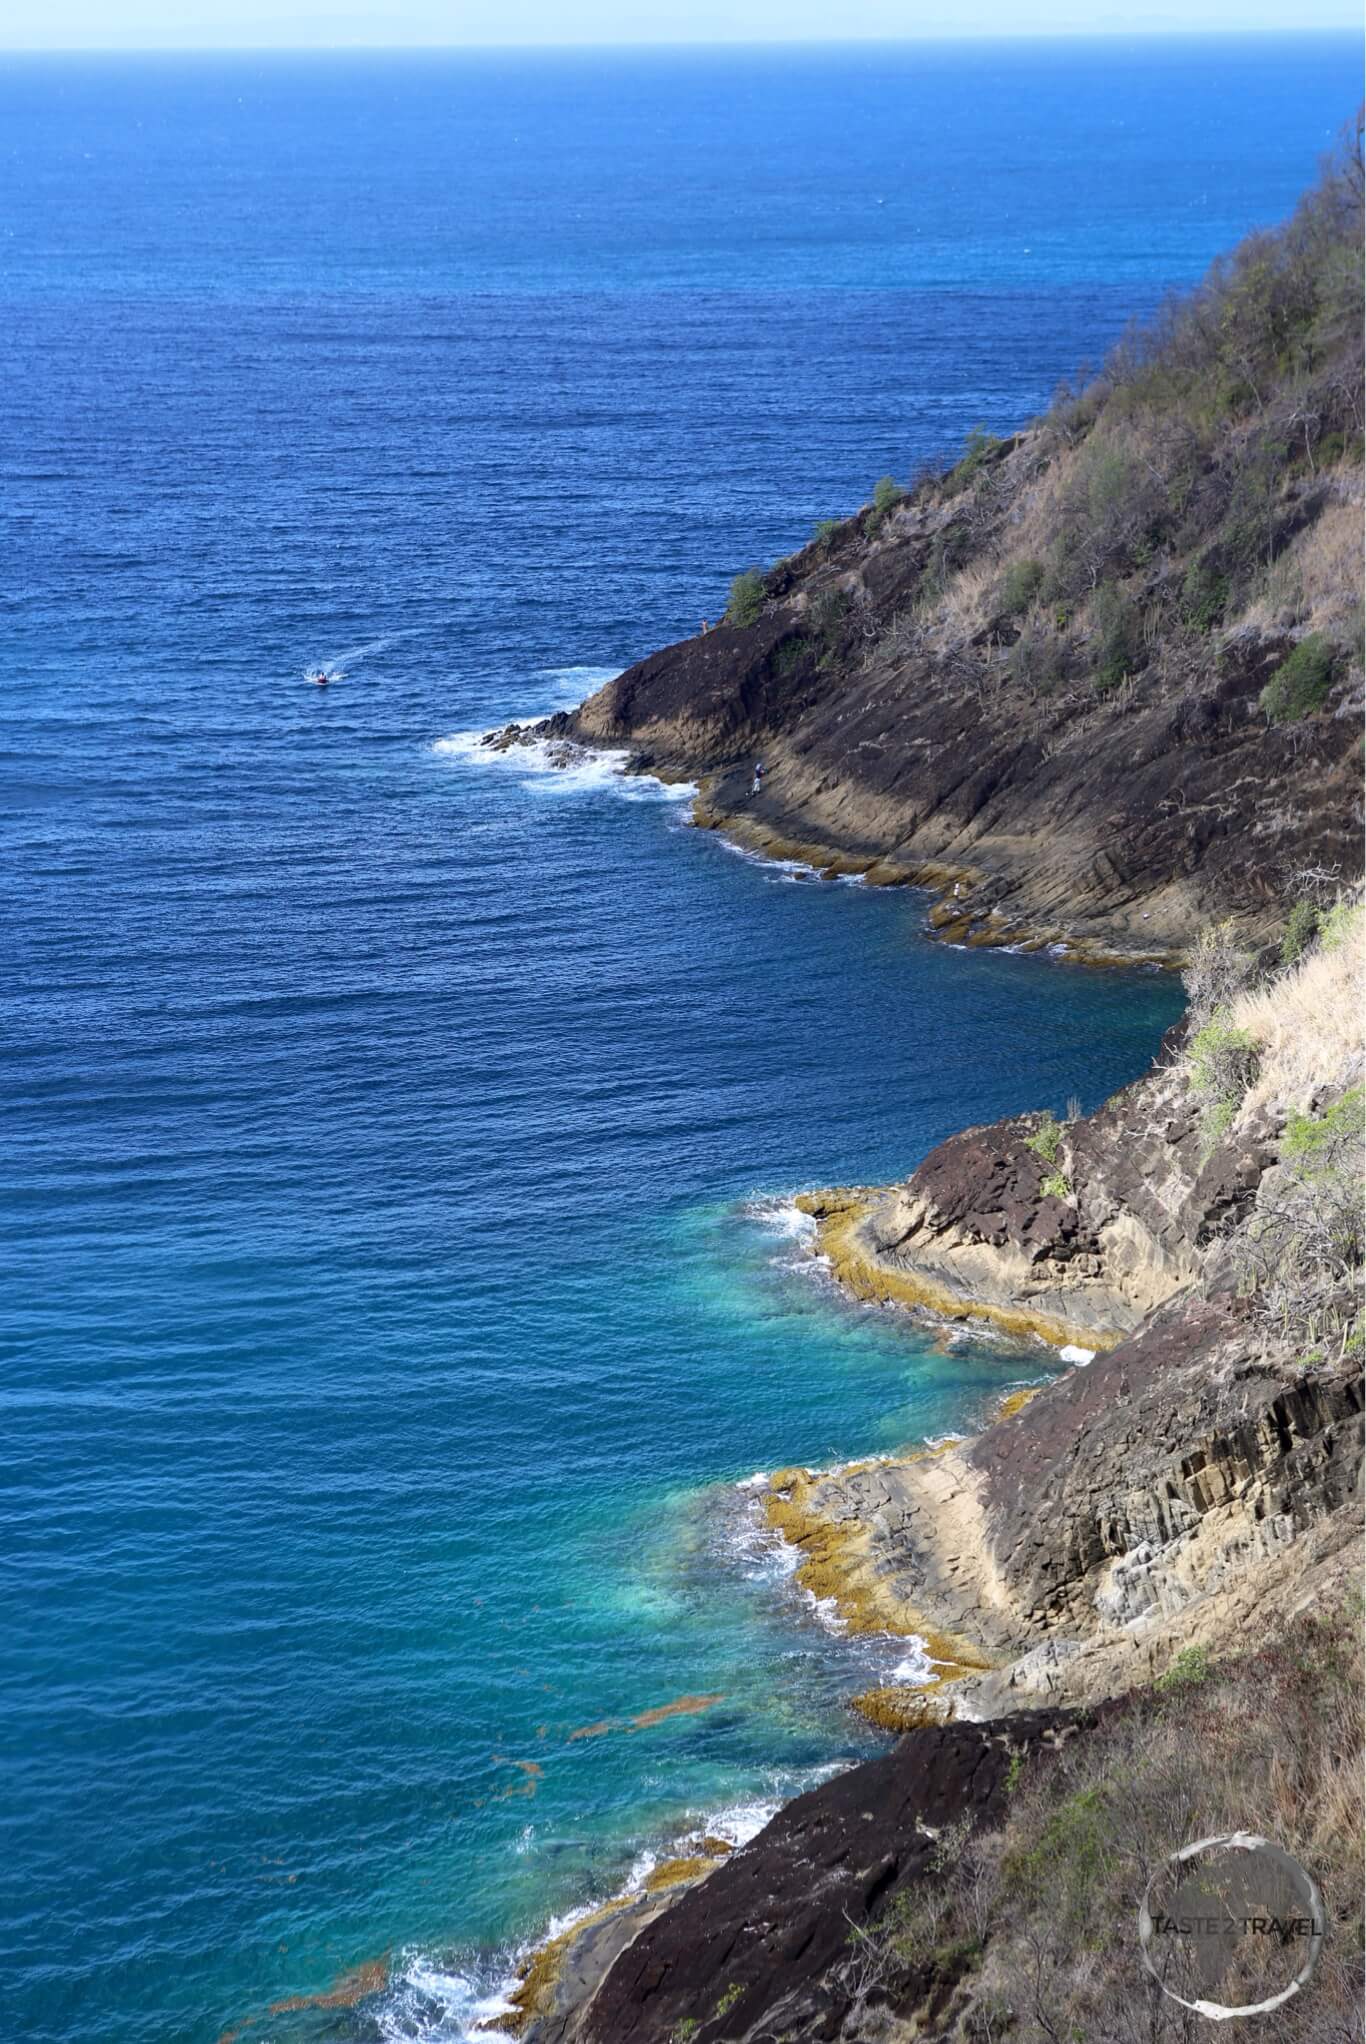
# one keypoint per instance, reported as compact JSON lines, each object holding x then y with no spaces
{"x":1309,"y":1026}
{"x":1037,"y":1922}
{"x":1317,"y":580}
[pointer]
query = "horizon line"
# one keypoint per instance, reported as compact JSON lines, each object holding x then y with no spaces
{"x":1166,"y":33}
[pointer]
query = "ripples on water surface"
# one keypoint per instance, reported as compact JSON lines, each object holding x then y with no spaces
{"x":399,"y":1283}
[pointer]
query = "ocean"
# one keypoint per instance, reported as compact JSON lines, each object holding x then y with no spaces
{"x":401,"y":1280}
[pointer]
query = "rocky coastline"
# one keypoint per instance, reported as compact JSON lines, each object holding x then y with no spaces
{"x":1189,"y":1487}
{"x":1187,"y":1492}
{"x":1098,"y":689}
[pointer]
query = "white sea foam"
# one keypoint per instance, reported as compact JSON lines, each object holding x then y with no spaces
{"x":431,"y":2000}
{"x":559,"y":766}
{"x":777,"y":869}
{"x":915,"y":1665}
{"x":440,"y":2004}
{"x":780,"y":1214}
{"x":827,"y":1614}
{"x":759,"y":1549}
{"x":1073,"y":1354}
{"x":738,"y":1823}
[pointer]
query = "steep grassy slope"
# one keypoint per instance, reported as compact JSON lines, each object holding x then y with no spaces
{"x":1101,"y":680}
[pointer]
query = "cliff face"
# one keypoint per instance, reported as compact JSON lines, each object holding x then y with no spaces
{"x":1096,"y":686}
{"x":1100,"y":682}
{"x":1188,"y":1494}
{"x":1200,"y":1469}
{"x":1073,"y":1230}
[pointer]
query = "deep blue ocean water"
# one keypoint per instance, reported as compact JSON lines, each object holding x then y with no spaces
{"x":398,"y":1280}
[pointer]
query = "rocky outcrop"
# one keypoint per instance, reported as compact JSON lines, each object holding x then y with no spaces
{"x":1051,"y":683}
{"x":1073,"y":1231}
{"x":1191,"y":1478}
{"x":762,"y":1949}
{"x":1112,"y":830}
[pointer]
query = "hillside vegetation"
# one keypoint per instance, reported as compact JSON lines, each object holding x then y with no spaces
{"x":1102,"y":679}
{"x":1208,"y":481}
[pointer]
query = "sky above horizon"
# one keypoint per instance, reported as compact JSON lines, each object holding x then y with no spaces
{"x":342,"y":24}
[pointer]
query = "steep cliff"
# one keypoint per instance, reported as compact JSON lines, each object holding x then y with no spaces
{"x":1101,"y":680}
{"x":981,"y":1883}
{"x":1190,"y":1496}
{"x":1099,"y":686}
{"x":1203,"y":1232}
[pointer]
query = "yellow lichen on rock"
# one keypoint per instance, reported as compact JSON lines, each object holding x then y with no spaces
{"x":898,"y":1707}
{"x":534,"y":1993}
{"x":838,"y":1562}
{"x":1016,"y":1401}
{"x":839,"y":1215}
{"x":535,"y":1989}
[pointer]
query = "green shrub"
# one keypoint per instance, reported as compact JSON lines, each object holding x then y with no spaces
{"x":1215,"y":1123}
{"x":1047,"y":1138}
{"x":1222,"y":1060}
{"x":728,"y":2000}
{"x":1021,"y":584}
{"x":1338,"y":924}
{"x":1221,"y":1064}
{"x":1301,"y":682}
{"x":827,"y":614}
{"x":1301,"y":928}
{"x":1071,"y":1853}
{"x":748,"y":593}
{"x":1055,"y":1186}
{"x":825,"y":531}
{"x":789,"y":654}
{"x":1204,"y":597}
{"x":1315,"y":1143}
{"x":1118,"y":645}
{"x":977,"y":448}
{"x":1189,"y":1668}
{"x":887,"y":492}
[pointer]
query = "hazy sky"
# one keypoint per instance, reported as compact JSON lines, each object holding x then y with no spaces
{"x":207,"y":24}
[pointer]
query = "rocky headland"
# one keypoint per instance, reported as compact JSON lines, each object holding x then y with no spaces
{"x":1100,"y":688}
{"x":1099,"y":682}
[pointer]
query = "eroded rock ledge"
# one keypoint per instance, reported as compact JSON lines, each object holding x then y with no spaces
{"x":1073,"y":1231}
{"x":1179,"y":1487}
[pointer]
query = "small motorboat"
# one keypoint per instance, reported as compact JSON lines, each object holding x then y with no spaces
{"x":322,"y":675}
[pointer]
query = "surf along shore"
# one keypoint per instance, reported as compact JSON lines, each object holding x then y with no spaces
{"x":1055,"y":686}
{"x":1185,"y":1485}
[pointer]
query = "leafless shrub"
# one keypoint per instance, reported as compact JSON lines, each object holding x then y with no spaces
{"x":1219,"y":968}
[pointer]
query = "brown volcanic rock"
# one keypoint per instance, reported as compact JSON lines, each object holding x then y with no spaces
{"x":1163,"y":1471}
{"x":986,"y":1184}
{"x":774,"y":1921}
{"x":1121,"y":819}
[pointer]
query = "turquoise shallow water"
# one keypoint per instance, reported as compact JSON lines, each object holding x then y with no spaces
{"x":398,"y":1283}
